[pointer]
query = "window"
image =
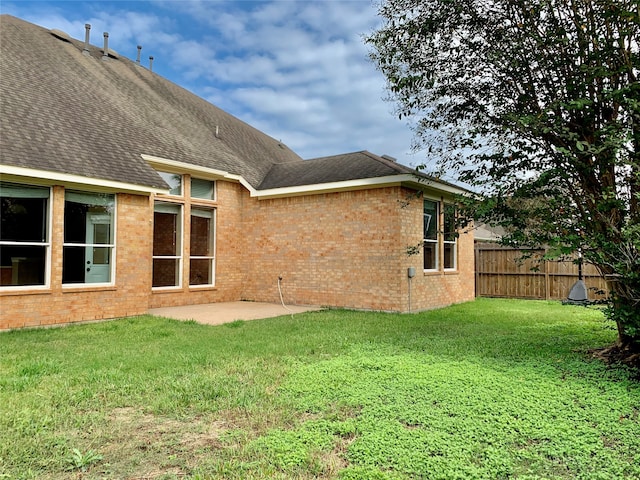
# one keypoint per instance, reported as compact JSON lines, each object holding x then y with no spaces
{"x":440,"y":236}
{"x":202,"y":245}
{"x":167,"y":244}
{"x":24,"y":235}
{"x":450,"y":237}
{"x":430,"y":229}
{"x":174,"y":180}
{"x":204,"y":189}
{"x":88,"y":249}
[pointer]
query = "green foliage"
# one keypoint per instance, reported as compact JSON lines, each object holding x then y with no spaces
{"x":535,"y":104}
{"x":488,"y":389}
{"x":81,"y":461}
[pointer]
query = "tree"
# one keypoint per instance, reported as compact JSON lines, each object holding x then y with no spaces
{"x":536,"y":105}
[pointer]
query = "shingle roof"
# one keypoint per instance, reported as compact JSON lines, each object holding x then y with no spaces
{"x":336,"y":168}
{"x":66,"y":112}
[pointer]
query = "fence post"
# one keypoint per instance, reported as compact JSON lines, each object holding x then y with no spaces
{"x":547,"y":287}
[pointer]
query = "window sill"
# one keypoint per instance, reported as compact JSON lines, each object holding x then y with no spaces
{"x":200,"y":288}
{"x":433,"y":273}
{"x":24,"y":290}
{"x":87,"y":288}
{"x":166,"y":290}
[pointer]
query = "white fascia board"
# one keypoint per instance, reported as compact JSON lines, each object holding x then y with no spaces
{"x":408,"y":179}
{"x":173,"y":166}
{"x":44,"y":177}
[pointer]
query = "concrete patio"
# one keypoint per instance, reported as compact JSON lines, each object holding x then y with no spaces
{"x":219,"y":313}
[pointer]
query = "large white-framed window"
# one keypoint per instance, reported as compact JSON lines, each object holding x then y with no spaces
{"x":431,"y":220}
{"x":25,"y":226}
{"x":449,"y":238}
{"x":167,"y":244}
{"x":88,"y":254}
{"x":202,"y":247}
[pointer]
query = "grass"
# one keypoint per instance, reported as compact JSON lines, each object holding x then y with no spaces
{"x":486,"y":390}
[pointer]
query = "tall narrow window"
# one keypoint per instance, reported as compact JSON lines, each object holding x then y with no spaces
{"x":430,"y":228}
{"x":24,"y":235}
{"x":202,"y":271}
{"x":450,"y":238}
{"x":88,"y":251}
{"x":167,"y":244}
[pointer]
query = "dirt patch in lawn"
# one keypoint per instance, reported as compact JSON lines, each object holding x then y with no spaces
{"x":140,"y":445}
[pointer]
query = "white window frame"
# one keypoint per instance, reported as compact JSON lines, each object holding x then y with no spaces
{"x":179,"y":248}
{"x":453,"y":243}
{"x":212,"y":257}
{"x":435,"y":241}
{"x":46,"y":244}
{"x":111,"y":246}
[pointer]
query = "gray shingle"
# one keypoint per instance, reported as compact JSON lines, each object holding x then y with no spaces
{"x":65,"y":112}
{"x":336,"y":168}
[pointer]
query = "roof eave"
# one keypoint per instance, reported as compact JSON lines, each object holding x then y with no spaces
{"x":45,"y":177}
{"x":408,"y":180}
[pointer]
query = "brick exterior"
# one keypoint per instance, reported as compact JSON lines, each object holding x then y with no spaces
{"x":348,"y":249}
{"x":68,"y":304}
{"x":344,"y":249}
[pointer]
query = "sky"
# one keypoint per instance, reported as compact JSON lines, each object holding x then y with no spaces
{"x":297,"y":70}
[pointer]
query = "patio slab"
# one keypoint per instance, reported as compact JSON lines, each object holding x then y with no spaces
{"x":224,"y":312}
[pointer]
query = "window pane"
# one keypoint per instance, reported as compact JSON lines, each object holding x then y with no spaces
{"x":200,"y":271}
{"x":202,"y":189}
{"x":23,"y":218}
{"x":430,"y":255}
{"x":174,"y":180}
{"x":86,"y":264}
{"x":88,"y":220}
{"x":201,"y":233}
{"x":166,"y":234}
{"x":23,"y":213}
{"x":85,"y":211}
{"x":450,"y":255}
{"x":22,"y":265}
{"x":167,"y":241}
{"x":450,"y":223}
{"x":166,"y":272}
{"x":430,"y":220}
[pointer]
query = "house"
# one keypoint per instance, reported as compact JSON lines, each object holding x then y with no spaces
{"x":121,"y":191}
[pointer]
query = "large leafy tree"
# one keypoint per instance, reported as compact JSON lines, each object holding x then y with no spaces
{"x":536,"y":104}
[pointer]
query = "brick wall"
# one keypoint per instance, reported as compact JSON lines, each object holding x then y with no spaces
{"x":57,"y":305}
{"x":346,"y":249}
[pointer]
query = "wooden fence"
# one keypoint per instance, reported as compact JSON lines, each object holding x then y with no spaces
{"x":501,"y":272}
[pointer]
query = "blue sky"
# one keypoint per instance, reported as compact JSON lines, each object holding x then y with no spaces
{"x":297,"y":70}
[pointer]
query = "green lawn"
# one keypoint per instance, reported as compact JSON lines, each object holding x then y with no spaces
{"x":488,"y":390}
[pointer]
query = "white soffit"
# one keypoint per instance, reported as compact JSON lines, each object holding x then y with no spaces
{"x":44,"y":177}
{"x":409,"y":180}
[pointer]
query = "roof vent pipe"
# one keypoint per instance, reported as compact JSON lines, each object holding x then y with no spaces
{"x":138,"y":57}
{"x":87,"y":30}
{"x":105,"y":52}
{"x":151,"y":63}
